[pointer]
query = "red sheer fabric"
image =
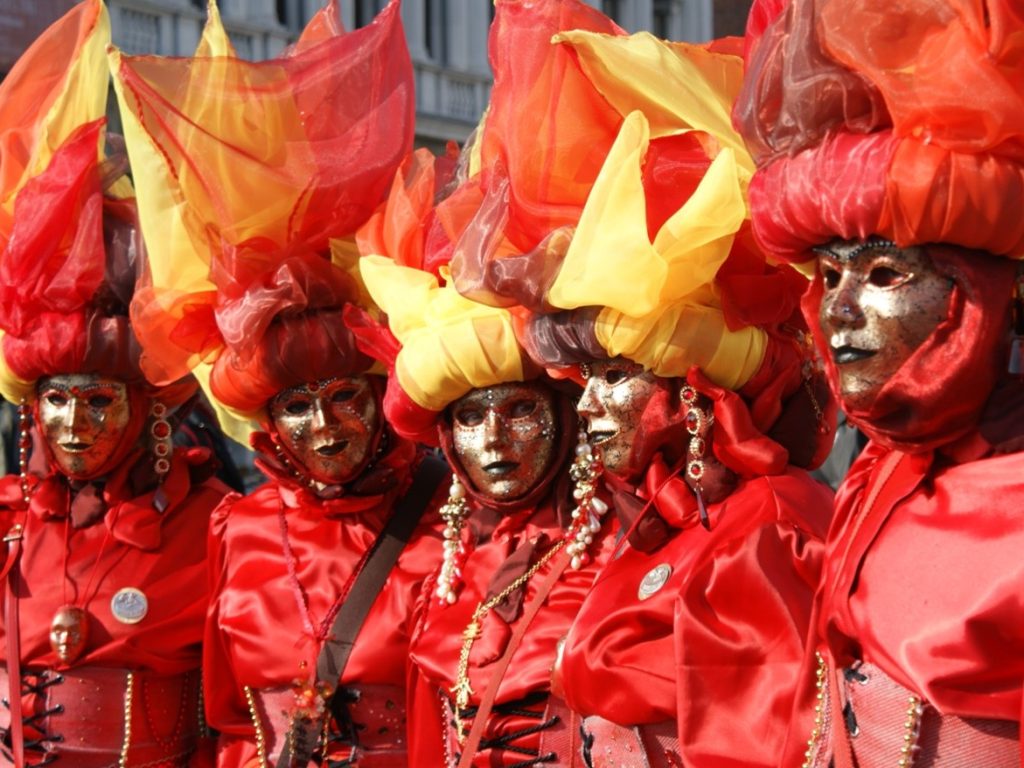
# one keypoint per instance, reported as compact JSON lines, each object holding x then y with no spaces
{"x":258,"y":624}
{"x":943,"y":159}
{"x":260,"y":207}
{"x":541,"y":146}
{"x":69,"y":270}
{"x":29,"y":92}
{"x":715,"y":649}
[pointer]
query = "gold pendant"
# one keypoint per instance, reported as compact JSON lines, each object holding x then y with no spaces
{"x":69,"y":632}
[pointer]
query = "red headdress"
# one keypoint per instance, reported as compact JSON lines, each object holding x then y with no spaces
{"x":517,"y":191}
{"x":252,"y":180}
{"x":905,"y":121}
{"x":71,"y":254}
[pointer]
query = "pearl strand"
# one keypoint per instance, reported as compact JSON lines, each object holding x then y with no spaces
{"x":454,"y":512}
{"x":585,"y":471}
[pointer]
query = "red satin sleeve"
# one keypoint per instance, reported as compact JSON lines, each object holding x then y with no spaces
{"x":738,"y":597}
{"x":740,"y":630}
{"x":939,"y":597}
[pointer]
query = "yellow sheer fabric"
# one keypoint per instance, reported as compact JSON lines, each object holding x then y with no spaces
{"x":58,"y":84}
{"x":660,"y":304}
{"x":450,"y":344}
{"x":214,"y":40}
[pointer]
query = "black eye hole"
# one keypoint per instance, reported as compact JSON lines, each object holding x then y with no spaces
{"x":522,"y":408}
{"x":56,"y":399}
{"x":615,"y":375}
{"x":343,"y":395}
{"x":886,"y":277}
{"x":100,"y":401}
{"x":470,"y":417}
{"x":296,"y":407}
{"x":830,"y":277}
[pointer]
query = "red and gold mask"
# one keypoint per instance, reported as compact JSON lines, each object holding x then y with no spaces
{"x":328,"y":426}
{"x":504,"y":438}
{"x":613,"y":403}
{"x":879,"y":304}
{"x":84,"y":419}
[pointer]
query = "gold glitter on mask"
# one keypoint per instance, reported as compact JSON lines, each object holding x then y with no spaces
{"x":880,"y":303}
{"x":328,"y":426}
{"x":616,"y":394}
{"x":504,"y":438}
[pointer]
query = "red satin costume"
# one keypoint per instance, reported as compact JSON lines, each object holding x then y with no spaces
{"x":696,"y":667}
{"x":915,"y":656}
{"x":78,"y":714}
{"x":527,"y":725}
{"x":274,"y":603}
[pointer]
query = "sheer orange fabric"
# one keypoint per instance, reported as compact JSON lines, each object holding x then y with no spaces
{"x":247,"y":172}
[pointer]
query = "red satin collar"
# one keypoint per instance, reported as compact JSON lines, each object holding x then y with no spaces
{"x":138,"y":522}
{"x":384,"y":477}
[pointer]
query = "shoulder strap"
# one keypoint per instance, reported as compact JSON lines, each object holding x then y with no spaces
{"x":350,"y":617}
{"x":10,"y":573}
{"x":483,"y":712}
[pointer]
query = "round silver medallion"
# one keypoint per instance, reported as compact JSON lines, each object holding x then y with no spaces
{"x":654,"y":580}
{"x":129,"y":605}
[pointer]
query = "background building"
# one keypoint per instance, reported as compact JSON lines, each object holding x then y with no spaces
{"x":447,"y":38}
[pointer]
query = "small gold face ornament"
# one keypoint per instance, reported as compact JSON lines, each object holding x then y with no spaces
{"x":328,"y":426}
{"x":504,"y":438}
{"x":68,"y":633}
{"x":613,"y":402}
{"x":879,"y":304}
{"x":84,"y":418}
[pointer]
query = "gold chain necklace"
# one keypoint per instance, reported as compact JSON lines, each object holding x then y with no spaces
{"x":462,"y":689}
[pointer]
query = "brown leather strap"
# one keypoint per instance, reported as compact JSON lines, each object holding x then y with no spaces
{"x":483,"y":712}
{"x":11,"y":574}
{"x":350,"y":617}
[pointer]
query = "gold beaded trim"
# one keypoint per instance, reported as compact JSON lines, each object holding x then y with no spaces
{"x":129,"y":690}
{"x":462,"y":688}
{"x":819,"y":711}
{"x":911,"y":730}
{"x":261,"y":740}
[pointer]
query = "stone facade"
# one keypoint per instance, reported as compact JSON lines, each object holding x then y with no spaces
{"x":447,"y":38}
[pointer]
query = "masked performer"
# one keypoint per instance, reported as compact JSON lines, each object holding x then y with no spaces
{"x":522,"y":542}
{"x":702,"y":405}
{"x":255,"y":273}
{"x":106,"y":587}
{"x":897,"y":163}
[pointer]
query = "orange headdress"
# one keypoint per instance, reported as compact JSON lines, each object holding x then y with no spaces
{"x":71,"y":254}
{"x":904,"y":120}
{"x":252,"y":180}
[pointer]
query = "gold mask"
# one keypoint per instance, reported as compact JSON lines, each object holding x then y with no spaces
{"x":84,"y":418}
{"x":328,"y":426}
{"x":504,"y":438}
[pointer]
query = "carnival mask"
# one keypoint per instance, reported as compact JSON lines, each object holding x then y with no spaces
{"x":613,"y":402}
{"x":68,"y":632}
{"x":84,"y":419}
{"x":504,"y":438}
{"x":328,"y":426}
{"x":879,"y":304}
